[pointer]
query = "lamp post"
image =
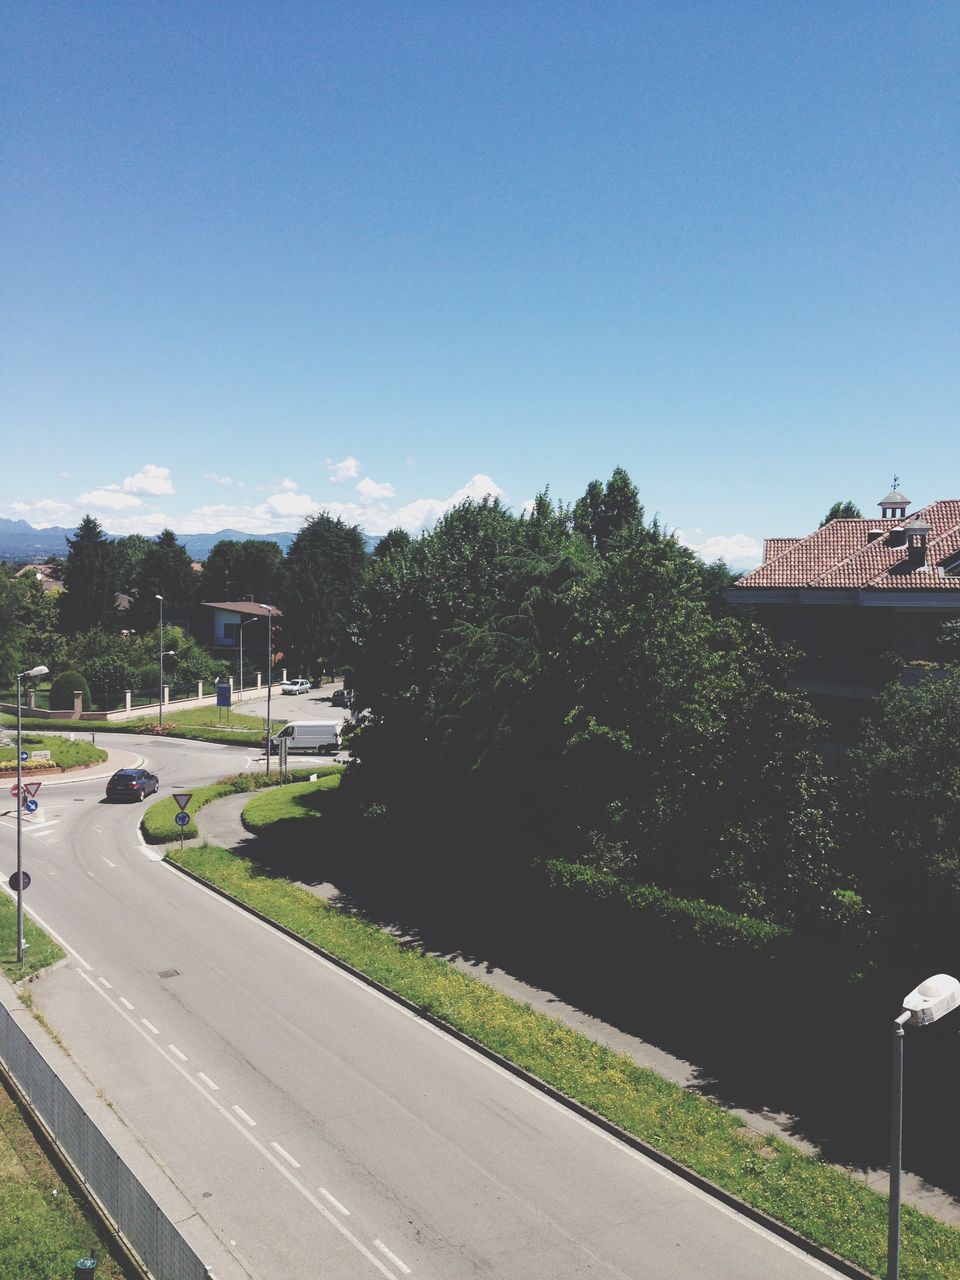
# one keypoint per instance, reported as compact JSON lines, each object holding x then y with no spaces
{"x":34,"y":671}
{"x":164,"y":653}
{"x":269,"y":609}
{"x":160,"y":598}
{"x":928,"y":1002}
{"x":242,"y":625}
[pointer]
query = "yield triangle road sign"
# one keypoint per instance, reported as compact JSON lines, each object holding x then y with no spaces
{"x":31,"y":788}
{"x":182,"y":798}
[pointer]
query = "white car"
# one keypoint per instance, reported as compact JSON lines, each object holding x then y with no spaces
{"x":295,"y":686}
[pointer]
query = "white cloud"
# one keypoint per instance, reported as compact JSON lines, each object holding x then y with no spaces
{"x":425,"y":512}
{"x":212,"y":475}
{"x":291,"y":504}
{"x":148,"y":523}
{"x":348,"y":469}
{"x":738,"y":550}
{"x":109,"y":498}
{"x":369,"y":490}
{"x":528,"y":505}
{"x":288,"y":484}
{"x":149,"y":479}
{"x":41,"y":514}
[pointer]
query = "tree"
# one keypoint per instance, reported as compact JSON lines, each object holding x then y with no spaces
{"x":235,"y":570}
{"x":130,"y":553}
{"x":109,"y":662}
{"x":166,"y":570}
{"x":842,"y":511}
{"x":392,"y":540}
{"x":90,"y":580}
{"x":903,"y":832}
{"x":42,"y":642}
{"x":11,"y":632}
{"x":319,"y":593}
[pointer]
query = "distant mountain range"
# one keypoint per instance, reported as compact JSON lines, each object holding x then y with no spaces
{"x":21,"y":541}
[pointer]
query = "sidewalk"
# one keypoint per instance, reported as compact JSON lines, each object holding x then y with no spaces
{"x":219,"y":824}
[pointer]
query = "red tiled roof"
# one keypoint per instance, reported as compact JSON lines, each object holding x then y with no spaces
{"x":839,"y":555}
{"x":773,"y":547}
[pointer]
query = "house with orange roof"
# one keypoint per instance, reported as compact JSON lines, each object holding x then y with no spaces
{"x":857,"y":589}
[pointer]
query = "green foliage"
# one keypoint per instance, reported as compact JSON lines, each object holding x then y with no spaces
{"x":159,"y":825}
{"x":903,"y":831}
{"x":319,"y":590}
{"x":11,"y":632}
{"x":109,"y":662}
{"x":63,"y":752}
{"x":130,"y":553}
{"x":40,"y":638}
{"x":948,"y":640}
{"x":842,"y":511}
{"x":90,"y":580}
{"x":63,"y":689}
{"x":235,"y":570}
{"x":289,"y":803}
{"x":165,"y":570}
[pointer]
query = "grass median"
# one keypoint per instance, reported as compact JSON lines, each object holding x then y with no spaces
{"x":63,"y":753}
{"x":197,"y":724}
{"x":816,"y":1199}
{"x":40,"y":950}
{"x":159,"y":824}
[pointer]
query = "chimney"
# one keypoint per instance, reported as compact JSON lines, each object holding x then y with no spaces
{"x":916,"y":532}
{"x":873,"y":535}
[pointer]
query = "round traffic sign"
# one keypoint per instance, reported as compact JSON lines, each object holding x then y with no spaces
{"x":181,"y":819}
{"x":14,"y":789}
{"x":20,"y":880}
{"x":31,"y":806}
{"x":24,"y":755}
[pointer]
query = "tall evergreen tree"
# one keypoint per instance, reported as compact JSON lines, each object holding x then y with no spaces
{"x":166,"y":570}
{"x":319,"y":593}
{"x":89,"y":579}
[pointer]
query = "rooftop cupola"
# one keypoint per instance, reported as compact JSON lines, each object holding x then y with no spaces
{"x":894,"y":505}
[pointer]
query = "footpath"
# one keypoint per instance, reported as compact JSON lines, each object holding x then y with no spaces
{"x":219,"y":823}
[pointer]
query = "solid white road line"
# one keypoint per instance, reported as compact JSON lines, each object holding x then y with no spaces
{"x":334,"y":1201}
{"x":286,"y":1155}
{"x":150,"y":1026}
{"x":393,"y":1257}
{"x":243,"y":1116}
{"x":254,"y":1142}
{"x":173,"y":1049}
{"x":147,"y":851}
{"x":45,"y":927}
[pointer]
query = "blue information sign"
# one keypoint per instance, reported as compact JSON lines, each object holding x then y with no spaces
{"x":181,"y":819}
{"x":223,"y":695}
{"x":24,"y":756}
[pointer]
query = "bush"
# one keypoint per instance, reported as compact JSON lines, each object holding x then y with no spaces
{"x":63,"y":688}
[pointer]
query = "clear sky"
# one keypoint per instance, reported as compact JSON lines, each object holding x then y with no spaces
{"x":265,"y":258}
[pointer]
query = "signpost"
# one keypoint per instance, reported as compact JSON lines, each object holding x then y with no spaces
{"x":182,"y":819}
{"x":223,"y":698}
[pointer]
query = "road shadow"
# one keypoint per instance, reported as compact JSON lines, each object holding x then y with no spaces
{"x":805,"y":1043}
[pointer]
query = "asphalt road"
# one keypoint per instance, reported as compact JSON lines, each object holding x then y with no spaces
{"x":321,"y":1129}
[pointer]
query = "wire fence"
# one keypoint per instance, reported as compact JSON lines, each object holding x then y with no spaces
{"x":135,"y":1214}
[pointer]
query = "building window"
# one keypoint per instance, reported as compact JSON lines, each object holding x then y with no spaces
{"x":231,"y":632}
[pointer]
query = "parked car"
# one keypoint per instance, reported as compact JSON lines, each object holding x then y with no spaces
{"x":132,"y":784}
{"x":340,"y":698}
{"x":295,"y":686}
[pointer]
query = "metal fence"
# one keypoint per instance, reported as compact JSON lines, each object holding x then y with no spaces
{"x":142,"y":1222}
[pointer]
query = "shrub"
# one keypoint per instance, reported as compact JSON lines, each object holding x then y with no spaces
{"x":62,"y":691}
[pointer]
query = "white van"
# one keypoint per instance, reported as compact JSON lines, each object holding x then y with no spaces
{"x":314,"y":736}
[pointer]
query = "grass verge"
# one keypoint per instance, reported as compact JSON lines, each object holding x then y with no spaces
{"x":43,"y":1229}
{"x":159,"y":825}
{"x":198,"y":724}
{"x":817,"y":1200}
{"x":40,"y":950}
{"x":293,"y":802}
{"x":63,"y":752}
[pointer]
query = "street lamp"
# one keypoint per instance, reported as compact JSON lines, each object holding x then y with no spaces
{"x":34,"y":671}
{"x":926,"y":1004}
{"x":164,"y":653}
{"x":269,"y":609}
{"x":160,"y":598}
{"x":242,"y":625}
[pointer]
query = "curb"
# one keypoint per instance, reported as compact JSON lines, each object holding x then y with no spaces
{"x":809,"y":1247}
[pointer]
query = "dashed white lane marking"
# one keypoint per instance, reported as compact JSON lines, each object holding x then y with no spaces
{"x":150,"y":1026}
{"x":125,"y":1002}
{"x":208,"y":1082}
{"x":402,"y":1266}
{"x":243,"y":1116}
{"x":107,"y":984}
{"x":173,"y":1049}
{"x":334,"y":1201}
{"x":45,"y":927}
{"x":286,"y":1155}
{"x":107,"y":861}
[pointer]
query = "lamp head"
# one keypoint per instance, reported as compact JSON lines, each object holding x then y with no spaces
{"x":160,"y":598}
{"x":37,"y":671}
{"x":932,"y":999}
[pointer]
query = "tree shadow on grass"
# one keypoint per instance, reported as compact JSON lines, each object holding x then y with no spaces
{"x":800,"y":1040}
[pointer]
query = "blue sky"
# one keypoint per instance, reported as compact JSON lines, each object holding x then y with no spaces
{"x":265,"y":259}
